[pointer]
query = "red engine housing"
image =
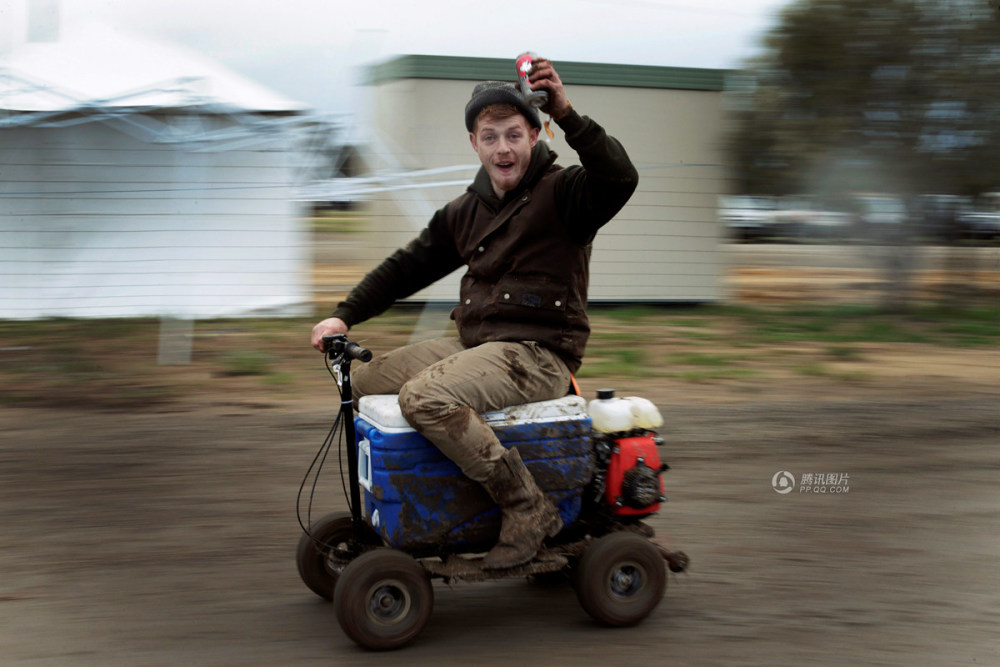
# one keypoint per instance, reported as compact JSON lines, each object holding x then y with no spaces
{"x":635,"y":463}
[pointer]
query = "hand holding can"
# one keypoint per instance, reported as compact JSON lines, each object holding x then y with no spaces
{"x":523,"y":64}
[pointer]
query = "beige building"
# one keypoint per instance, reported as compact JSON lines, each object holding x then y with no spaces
{"x":664,"y":246}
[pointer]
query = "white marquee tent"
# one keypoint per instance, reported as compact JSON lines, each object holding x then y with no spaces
{"x":138,"y":179}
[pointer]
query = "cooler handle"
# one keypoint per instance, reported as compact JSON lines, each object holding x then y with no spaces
{"x":365,"y":464}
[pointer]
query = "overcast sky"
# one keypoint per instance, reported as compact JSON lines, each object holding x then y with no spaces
{"x":313,"y":50}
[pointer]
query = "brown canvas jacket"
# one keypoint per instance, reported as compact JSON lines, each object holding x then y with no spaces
{"x":527,"y":255}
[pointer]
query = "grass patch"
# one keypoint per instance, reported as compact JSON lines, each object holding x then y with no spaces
{"x":714,"y":374}
{"x":791,"y":329}
{"x":67,"y":334}
{"x":844,"y":353}
{"x":622,"y":354}
{"x":845,"y":324}
{"x":246,"y":362}
{"x":975,"y":328}
{"x":886,"y":330}
{"x":700,"y":336}
{"x":625,"y":313}
{"x":814,"y":369}
{"x":622,"y":362}
{"x":337,"y":222}
{"x":698,"y":359}
{"x":114,"y":361}
{"x":279,"y":379}
{"x":693,"y":323}
{"x":708,"y":367}
{"x":853,"y":376}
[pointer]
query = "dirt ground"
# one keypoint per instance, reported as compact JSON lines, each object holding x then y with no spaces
{"x":166,"y":535}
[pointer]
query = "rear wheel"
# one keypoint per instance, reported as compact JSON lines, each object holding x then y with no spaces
{"x":315,"y":553}
{"x":620,"y":579}
{"x":383,"y":599}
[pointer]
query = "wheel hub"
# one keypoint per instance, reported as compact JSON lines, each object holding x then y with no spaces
{"x":388,"y":602}
{"x":626,"y":580}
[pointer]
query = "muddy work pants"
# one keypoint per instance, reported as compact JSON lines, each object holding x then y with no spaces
{"x":443,"y":387}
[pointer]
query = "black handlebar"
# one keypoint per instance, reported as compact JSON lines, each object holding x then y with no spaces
{"x":338,"y":344}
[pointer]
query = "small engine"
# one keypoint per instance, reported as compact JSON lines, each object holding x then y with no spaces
{"x":634,"y":486}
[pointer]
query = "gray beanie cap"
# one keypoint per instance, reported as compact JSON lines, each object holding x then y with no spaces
{"x":498,"y":92}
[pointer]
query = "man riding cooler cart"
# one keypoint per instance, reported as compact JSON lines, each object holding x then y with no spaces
{"x":524,"y":230}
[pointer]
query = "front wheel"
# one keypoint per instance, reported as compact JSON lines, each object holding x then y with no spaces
{"x":315,"y":551}
{"x":620,"y":579}
{"x":383,"y":599}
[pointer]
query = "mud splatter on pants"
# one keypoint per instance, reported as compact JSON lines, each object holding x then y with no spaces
{"x":443,"y":387}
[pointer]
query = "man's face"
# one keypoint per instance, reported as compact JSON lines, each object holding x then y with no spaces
{"x":504,"y":147}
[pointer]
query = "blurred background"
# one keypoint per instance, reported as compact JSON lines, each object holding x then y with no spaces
{"x":807,"y":280}
{"x":184,"y":160}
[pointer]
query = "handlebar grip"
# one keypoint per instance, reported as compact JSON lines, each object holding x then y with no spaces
{"x":338,"y":344}
{"x":355,"y":351}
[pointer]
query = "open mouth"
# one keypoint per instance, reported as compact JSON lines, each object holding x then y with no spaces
{"x":505,"y":165}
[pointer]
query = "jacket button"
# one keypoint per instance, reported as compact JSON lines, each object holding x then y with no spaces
{"x":468,"y":301}
{"x":482,"y":249}
{"x":506,"y":296}
{"x":558,"y":303}
{"x":524,"y":198}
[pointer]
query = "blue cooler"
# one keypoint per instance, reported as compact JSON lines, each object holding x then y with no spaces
{"x":419,"y":500}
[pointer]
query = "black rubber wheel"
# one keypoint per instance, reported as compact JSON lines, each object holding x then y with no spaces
{"x":383,"y":599}
{"x":314,"y":551}
{"x":620,"y":579}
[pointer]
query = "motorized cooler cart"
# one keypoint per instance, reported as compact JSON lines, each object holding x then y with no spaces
{"x":415,"y":517}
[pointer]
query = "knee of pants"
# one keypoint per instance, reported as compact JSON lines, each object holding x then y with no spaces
{"x":359,"y":380}
{"x":418,"y":407}
{"x":454,"y":430}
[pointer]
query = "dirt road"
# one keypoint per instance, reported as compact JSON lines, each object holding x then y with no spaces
{"x":168,"y":538}
{"x":165,"y":535}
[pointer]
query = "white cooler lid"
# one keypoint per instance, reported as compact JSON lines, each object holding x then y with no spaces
{"x":382,"y":411}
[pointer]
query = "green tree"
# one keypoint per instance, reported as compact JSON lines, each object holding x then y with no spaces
{"x":883,"y":96}
{"x":890,"y":95}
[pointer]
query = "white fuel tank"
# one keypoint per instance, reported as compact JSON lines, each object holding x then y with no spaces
{"x":613,"y":415}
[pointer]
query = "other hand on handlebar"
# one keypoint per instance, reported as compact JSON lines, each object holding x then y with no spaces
{"x":328,"y":327}
{"x":337,"y":345}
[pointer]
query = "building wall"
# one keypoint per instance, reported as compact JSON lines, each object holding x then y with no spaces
{"x":663,"y":246}
{"x":97,"y":223}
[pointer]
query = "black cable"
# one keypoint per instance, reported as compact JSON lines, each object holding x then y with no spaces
{"x":320,"y":459}
{"x":340,"y":448}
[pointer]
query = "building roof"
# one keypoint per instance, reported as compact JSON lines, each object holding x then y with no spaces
{"x":96,"y":66}
{"x":576,"y":73}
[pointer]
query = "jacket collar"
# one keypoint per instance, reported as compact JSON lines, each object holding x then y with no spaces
{"x":541,"y":159}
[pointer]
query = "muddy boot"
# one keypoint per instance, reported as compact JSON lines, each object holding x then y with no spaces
{"x":527,"y":516}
